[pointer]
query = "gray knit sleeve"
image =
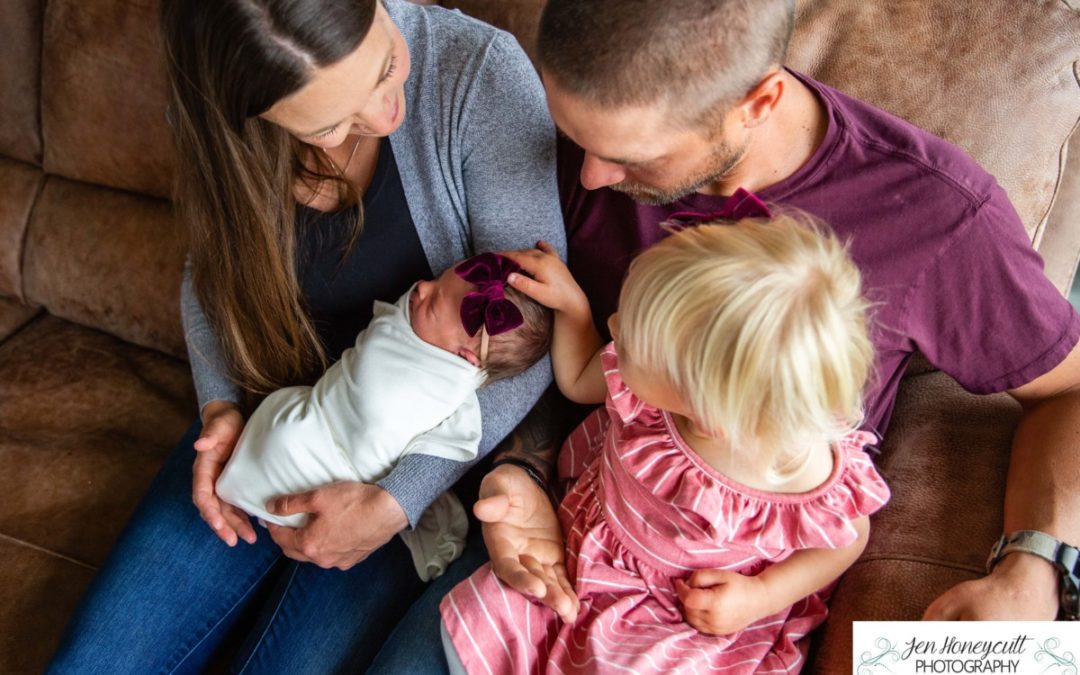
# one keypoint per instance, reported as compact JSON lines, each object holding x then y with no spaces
{"x":511,"y":196}
{"x":204,"y":351}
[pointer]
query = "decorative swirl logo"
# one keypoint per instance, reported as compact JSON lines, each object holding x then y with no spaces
{"x":1066,"y":662}
{"x":868,"y":662}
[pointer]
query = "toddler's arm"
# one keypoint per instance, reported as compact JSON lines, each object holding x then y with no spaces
{"x":720,"y":602}
{"x":576,"y":345}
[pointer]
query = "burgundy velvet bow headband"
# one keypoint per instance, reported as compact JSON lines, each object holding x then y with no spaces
{"x":488,"y":307}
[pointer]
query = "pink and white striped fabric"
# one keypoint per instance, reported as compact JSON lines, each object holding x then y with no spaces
{"x":643,"y":510}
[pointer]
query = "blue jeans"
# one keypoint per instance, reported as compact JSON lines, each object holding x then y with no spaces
{"x":171,"y":592}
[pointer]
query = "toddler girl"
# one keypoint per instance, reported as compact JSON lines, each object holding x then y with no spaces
{"x":723,"y":487}
{"x":408,"y":386}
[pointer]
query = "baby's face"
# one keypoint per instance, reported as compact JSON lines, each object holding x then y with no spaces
{"x":435,"y":315}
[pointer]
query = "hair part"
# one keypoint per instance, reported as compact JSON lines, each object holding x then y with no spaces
{"x":695,"y":56}
{"x":513,"y":352}
{"x":761,"y":328}
{"x":228,"y":62}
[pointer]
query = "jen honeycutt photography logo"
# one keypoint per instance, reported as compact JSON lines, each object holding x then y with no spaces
{"x":881,"y":648}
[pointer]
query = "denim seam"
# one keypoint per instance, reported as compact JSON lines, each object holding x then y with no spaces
{"x":273,"y":617}
{"x":210,"y":632}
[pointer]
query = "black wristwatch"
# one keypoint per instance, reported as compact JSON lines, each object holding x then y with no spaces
{"x":1064,"y":558}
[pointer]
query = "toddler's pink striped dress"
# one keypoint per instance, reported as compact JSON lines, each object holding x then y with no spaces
{"x":643,"y":510}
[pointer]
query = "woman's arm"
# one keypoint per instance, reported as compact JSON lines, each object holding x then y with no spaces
{"x":208,"y":367}
{"x":720,"y":602}
{"x":221,"y":417}
{"x":512,"y":201}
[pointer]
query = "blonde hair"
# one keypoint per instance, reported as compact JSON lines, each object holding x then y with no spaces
{"x":759,"y":326}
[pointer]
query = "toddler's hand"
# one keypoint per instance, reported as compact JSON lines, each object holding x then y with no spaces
{"x":551,"y":284}
{"x":222,"y":424}
{"x":719,"y":602}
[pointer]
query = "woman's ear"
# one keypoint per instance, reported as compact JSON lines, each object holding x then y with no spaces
{"x":469,"y":355}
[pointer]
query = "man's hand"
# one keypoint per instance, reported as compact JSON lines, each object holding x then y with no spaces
{"x":1022,"y":587}
{"x":720,"y":602}
{"x":524,"y":539}
{"x":222,"y":424}
{"x":347,"y":522}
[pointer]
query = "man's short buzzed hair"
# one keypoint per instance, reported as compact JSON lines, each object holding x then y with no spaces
{"x":694,"y":55}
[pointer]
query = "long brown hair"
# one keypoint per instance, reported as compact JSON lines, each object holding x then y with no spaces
{"x":228,"y":62}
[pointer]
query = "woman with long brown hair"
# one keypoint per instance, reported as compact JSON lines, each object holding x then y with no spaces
{"x":330,"y":152}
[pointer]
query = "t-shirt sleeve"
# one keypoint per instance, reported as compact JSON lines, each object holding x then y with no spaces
{"x":984,"y":311}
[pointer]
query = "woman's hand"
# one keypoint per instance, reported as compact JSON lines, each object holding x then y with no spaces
{"x":222,"y":424}
{"x":524,"y":539}
{"x":720,"y":602}
{"x":551,"y":283}
{"x":347,"y":521}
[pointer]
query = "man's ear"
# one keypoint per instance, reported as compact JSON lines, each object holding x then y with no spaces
{"x":762,"y":99}
{"x":469,"y":355}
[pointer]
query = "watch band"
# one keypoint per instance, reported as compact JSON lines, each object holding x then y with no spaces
{"x":1064,"y":558}
{"x":533,"y":472}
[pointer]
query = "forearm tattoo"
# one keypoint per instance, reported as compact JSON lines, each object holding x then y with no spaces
{"x":537,"y":438}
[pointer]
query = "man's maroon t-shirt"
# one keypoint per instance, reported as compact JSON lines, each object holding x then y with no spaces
{"x":944,"y":256}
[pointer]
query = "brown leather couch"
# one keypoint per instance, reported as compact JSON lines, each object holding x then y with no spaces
{"x":94,"y":388}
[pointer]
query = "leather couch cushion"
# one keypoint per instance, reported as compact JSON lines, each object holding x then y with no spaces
{"x":20,"y":185}
{"x":1060,"y":245}
{"x":107,"y":259}
{"x":20,"y":79}
{"x":13,"y":316}
{"x":104,"y":95}
{"x":85,"y":423}
{"x":40,"y":593}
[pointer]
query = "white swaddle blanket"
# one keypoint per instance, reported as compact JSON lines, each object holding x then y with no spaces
{"x":389,"y":396}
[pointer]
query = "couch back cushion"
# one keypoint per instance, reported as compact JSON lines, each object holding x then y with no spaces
{"x":104,"y":95}
{"x":20,"y":80}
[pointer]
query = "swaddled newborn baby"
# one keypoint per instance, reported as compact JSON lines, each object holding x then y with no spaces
{"x":407,"y":386}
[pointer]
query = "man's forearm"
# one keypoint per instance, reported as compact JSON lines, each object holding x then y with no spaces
{"x":1043,"y":488}
{"x":537,"y":439}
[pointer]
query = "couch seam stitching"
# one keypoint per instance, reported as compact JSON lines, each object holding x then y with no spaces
{"x":42,"y":549}
{"x":892,"y":557}
{"x":26,"y":235}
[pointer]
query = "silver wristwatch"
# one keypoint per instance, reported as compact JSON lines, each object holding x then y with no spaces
{"x":1064,"y":558}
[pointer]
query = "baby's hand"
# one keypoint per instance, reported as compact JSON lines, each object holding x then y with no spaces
{"x":551,"y":284}
{"x":719,"y":602}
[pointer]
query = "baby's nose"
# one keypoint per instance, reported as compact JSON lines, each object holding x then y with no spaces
{"x":423,"y":288}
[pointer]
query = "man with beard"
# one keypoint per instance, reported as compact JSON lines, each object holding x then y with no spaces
{"x":666,"y":109}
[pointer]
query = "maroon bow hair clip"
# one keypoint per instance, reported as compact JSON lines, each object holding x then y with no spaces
{"x":742,"y":204}
{"x":488,"y":307}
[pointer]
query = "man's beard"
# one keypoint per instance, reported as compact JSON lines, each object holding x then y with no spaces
{"x":722,"y":161}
